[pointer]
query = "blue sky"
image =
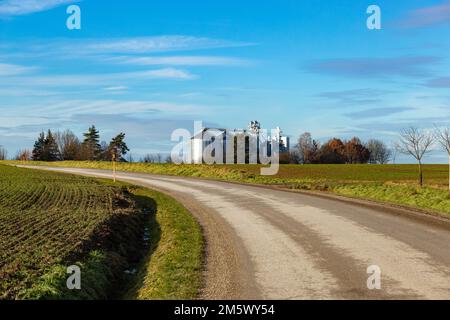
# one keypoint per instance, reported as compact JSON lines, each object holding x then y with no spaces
{"x":149,"y":67}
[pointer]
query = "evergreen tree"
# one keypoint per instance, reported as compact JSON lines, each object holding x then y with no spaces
{"x":91,"y":145}
{"x":46,"y":148}
{"x":51,"y":149}
{"x":38,"y":149}
{"x":118,"y":146}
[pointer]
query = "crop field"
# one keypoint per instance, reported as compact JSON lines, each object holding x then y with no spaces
{"x":49,"y":221}
{"x":395,"y":184}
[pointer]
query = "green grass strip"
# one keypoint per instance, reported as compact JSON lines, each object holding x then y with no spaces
{"x":172,"y":268}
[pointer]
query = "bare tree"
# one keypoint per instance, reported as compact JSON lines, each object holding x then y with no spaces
{"x":68,"y":144}
{"x":3,"y":153}
{"x":304,"y":147}
{"x":417,"y":143}
{"x":394,"y":151}
{"x":443,"y":137}
{"x":379,"y":152}
{"x":24,"y":155}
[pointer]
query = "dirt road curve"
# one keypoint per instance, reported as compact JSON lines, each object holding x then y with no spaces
{"x":269,"y":244}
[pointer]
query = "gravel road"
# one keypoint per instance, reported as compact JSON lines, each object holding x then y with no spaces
{"x":273,"y":244}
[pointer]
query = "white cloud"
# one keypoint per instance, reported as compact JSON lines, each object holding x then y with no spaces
{"x":23,"y":7}
{"x":156,"y":44}
{"x":116,"y":88}
{"x":109,"y":106}
{"x":25,"y":92}
{"x":107,"y":47}
{"x":13,"y":69}
{"x":180,"y":61}
{"x":112,"y":79}
{"x":171,"y":73}
{"x":434,"y":14}
{"x":65,"y":109}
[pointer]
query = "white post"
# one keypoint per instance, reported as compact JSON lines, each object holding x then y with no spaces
{"x":114,"y":165}
{"x":114,"y":170}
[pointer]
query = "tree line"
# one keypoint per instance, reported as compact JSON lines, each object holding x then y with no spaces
{"x":412,"y":141}
{"x":60,"y":146}
{"x":337,"y":151}
{"x":417,"y":143}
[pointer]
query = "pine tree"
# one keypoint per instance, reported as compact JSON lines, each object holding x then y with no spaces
{"x":38,"y":149}
{"x":119,"y":146}
{"x":91,"y":145}
{"x":51,"y":148}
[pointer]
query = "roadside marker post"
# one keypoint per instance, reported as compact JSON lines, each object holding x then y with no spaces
{"x":114,"y":165}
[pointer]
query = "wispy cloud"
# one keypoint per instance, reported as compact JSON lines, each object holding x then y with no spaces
{"x":16,"y":91}
{"x":105,"y":48}
{"x":442,"y":82}
{"x":428,"y":16}
{"x":9,"y":8}
{"x":410,"y":66}
{"x":376,"y":113}
{"x":124,"y":51}
{"x":112,"y":79}
{"x":52,"y":114}
{"x":355,"y":96}
{"x":395,"y":126}
{"x":169,"y":73}
{"x":180,"y":61}
{"x":120,"y":107}
{"x":116,"y":88}
{"x":13,"y":69}
{"x":141,"y":45}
